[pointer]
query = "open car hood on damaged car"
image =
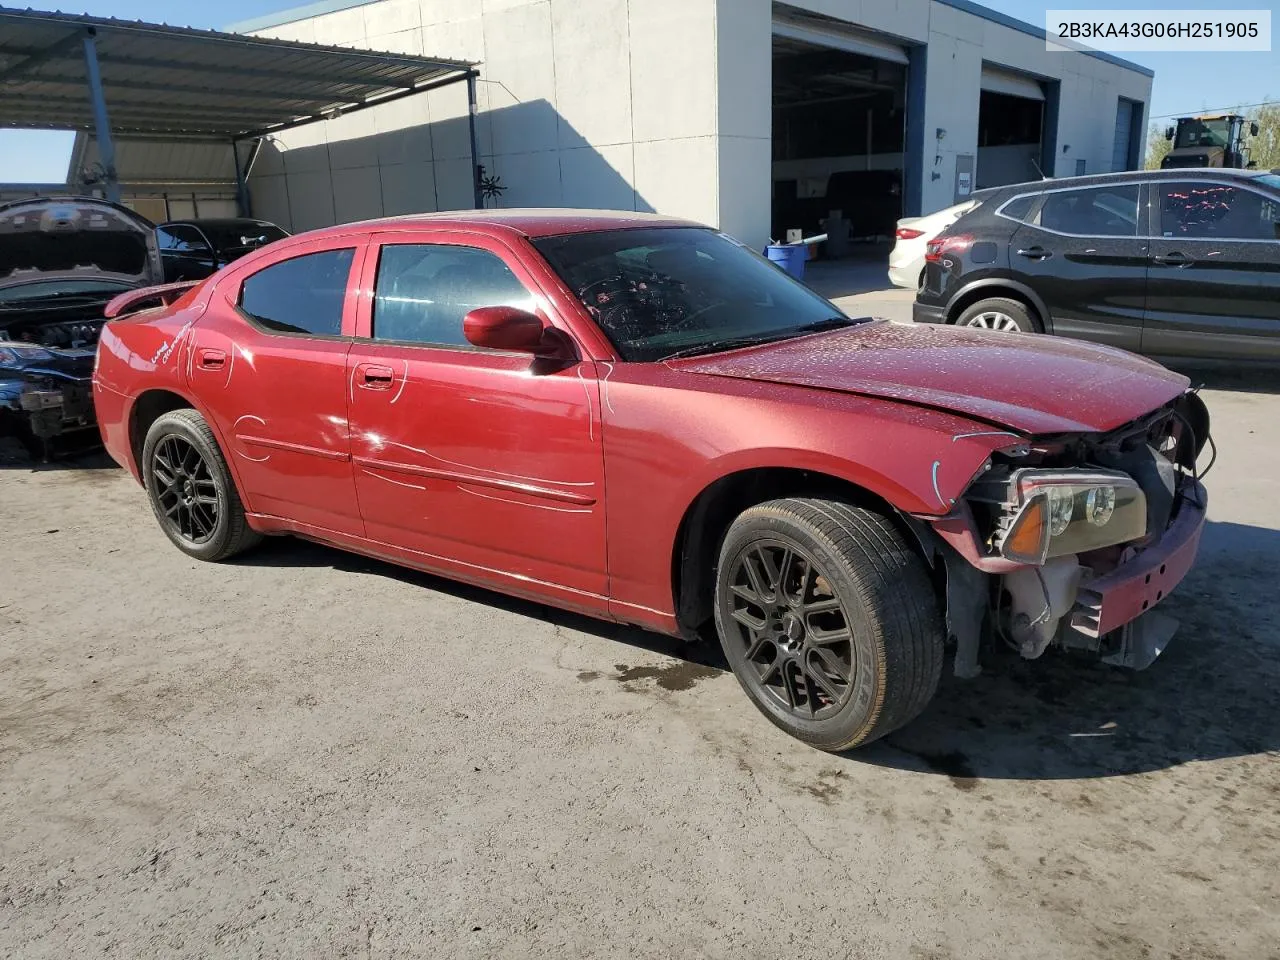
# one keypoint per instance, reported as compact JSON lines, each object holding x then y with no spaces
{"x":1025,"y":382}
{"x":68,"y":238}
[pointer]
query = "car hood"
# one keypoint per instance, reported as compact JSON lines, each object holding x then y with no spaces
{"x":1026,"y":382}
{"x":75,"y":238}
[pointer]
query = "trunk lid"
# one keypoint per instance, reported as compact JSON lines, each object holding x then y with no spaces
{"x":1026,"y":382}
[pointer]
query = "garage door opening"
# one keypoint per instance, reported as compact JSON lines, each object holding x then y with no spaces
{"x":1011,"y":115}
{"x":839,"y":135}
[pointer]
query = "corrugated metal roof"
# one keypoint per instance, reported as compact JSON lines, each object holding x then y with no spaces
{"x":164,"y":81}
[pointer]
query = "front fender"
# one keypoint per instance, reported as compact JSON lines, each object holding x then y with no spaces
{"x":668,"y":436}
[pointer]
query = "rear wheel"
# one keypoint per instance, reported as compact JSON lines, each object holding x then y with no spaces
{"x":999,"y":314}
{"x":191,"y":489}
{"x":828,"y":619}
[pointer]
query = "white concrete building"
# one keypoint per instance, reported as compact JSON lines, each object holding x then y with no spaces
{"x":750,"y":115}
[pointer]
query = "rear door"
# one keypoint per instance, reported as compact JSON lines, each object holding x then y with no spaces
{"x":268,"y":361}
{"x":1215,"y":271}
{"x":1082,"y":252}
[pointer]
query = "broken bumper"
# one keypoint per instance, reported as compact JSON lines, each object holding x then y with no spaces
{"x":1110,"y":602}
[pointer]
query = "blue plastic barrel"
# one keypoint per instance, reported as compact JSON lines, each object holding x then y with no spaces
{"x":790,"y":257}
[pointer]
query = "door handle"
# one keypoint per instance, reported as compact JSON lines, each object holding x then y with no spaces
{"x":1174,"y":259}
{"x":207,"y":359}
{"x":1035,"y":253}
{"x":372,"y":376}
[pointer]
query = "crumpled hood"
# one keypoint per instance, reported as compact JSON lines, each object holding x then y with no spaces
{"x":1025,"y":382}
{"x":73,"y":238}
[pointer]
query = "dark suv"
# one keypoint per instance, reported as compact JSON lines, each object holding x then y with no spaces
{"x":1166,"y":262}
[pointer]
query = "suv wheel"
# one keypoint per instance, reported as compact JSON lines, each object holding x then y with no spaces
{"x":828,"y":619}
{"x":999,"y":314}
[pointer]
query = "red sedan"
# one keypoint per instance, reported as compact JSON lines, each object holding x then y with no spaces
{"x":640,"y":419}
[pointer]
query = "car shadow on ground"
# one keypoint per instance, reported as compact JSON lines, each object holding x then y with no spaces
{"x":13,"y":456}
{"x":292,"y":552}
{"x":1210,"y":696}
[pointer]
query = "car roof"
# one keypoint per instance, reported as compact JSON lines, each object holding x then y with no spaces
{"x":217,"y":222}
{"x":527,"y":222}
{"x":1099,"y":179}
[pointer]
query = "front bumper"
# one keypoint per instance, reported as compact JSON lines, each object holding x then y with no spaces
{"x":1109,"y":602}
{"x":925,"y":313}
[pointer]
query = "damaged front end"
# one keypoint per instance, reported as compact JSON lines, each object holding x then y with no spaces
{"x":46,"y":397}
{"x":1071,"y":541}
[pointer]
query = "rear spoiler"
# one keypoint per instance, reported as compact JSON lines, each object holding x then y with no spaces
{"x":147,"y":297}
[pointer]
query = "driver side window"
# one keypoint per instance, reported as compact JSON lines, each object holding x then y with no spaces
{"x":424,"y":290}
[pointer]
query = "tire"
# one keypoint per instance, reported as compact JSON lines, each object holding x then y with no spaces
{"x":196,"y":503}
{"x":999,"y":314}
{"x":851,"y":572}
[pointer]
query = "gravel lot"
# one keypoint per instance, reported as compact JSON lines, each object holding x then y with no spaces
{"x":306,"y":754}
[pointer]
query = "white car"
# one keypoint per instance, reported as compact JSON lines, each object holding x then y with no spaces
{"x":906,"y":262}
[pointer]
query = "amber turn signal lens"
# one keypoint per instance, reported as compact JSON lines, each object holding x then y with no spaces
{"x":1029,"y":537}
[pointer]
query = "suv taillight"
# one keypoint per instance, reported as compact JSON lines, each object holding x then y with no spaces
{"x":939,"y":247}
{"x":906,"y":233}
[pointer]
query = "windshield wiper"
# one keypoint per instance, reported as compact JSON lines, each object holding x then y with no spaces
{"x":719,"y":346}
{"x":831,"y":323}
{"x":734,"y":343}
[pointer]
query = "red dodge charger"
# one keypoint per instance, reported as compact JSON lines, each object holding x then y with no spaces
{"x":640,"y":419}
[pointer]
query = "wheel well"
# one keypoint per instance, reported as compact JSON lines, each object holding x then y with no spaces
{"x":148,"y":408}
{"x":967,"y":300}
{"x":706,"y":521}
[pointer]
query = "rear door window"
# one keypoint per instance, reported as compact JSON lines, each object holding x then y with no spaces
{"x":1092,"y":211}
{"x":181,"y":238}
{"x":1216,"y":211}
{"x":303,"y":295}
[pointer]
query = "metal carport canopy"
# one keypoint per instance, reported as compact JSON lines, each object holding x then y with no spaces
{"x":71,"y":72}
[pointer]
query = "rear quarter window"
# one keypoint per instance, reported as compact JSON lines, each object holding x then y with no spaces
{"x":1019,"y":208}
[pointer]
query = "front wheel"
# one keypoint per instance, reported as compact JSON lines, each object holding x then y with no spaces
{"x":191,"y":489}
{"x":828,"y":619}
{"x":999,"y":314}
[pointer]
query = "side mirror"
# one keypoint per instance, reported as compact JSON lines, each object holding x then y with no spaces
{"x":1168,"y":133}
{"x":512,"y":329}
{"x":1253,"y":129}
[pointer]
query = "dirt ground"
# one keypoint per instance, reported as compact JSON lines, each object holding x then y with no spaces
{"x":306,"y":754}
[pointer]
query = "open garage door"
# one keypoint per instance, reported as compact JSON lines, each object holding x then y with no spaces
{"x":839,"y":127}
{"x":1010,"y":128}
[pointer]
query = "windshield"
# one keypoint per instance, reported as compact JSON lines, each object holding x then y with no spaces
{"x":1203,"y":133}
{"x":683,"y":290}
{"x":63,"y":289}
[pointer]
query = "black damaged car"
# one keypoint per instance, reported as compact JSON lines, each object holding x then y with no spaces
{"x":61,"y":260}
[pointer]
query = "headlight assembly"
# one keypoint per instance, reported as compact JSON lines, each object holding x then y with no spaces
{"x":1053,"y":513}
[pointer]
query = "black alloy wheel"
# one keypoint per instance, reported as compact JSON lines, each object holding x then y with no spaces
{"x":191,"y":490}
{"x":829,"y":619}
{"x":794,"y":632}
{"x":185,"y":488}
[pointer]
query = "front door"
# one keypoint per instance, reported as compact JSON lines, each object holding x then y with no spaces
{"x":486,"y":465}
{"x":270,"y":366}
{"x":1084,"y":256}
{"x":1215,"y":271}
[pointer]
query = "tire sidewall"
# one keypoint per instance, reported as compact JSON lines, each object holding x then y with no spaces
{"x":171,"y":425}
{"x":1011,"y":308}
{"x":862,"y":709}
